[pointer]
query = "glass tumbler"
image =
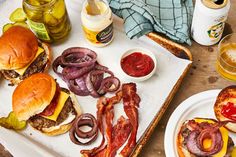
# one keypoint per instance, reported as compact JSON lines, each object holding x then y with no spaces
{"x":226,"y":57}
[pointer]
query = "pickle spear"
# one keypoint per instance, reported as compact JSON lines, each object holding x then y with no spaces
{"x":18,"y":15}
{"x":12,"y":122}
{"x":9,"y":25}
{"x":6,"y":27}
{"x":58,"y":11}
{"x":23,"y":24}
{"x":49,"y":19}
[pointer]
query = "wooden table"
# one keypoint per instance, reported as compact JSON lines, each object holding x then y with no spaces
{"x":201,"y":77}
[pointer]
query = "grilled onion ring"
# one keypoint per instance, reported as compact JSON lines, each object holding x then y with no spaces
{"x":78,"y":57}
{"x":197,"y":136}
{"x":75,"y":131}
{"x":77,"y":66}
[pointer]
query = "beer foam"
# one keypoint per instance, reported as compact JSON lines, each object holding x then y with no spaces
{"x":231,"y":54}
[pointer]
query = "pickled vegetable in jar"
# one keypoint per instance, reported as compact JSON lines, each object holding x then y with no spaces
{"x":98,"y":28}
{"x":48,"y":19}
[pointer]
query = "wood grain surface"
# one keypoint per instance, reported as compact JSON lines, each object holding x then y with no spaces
{"x":202,"y":76}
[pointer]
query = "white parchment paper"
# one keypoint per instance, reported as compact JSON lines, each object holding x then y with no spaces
{"x":153,"y":92}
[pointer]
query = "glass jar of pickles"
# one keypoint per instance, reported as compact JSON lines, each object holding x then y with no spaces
{"x":47,"y":18}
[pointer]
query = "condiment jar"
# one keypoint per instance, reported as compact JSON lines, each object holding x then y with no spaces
{"x":98,"y":29}
{"x":47,"y":18}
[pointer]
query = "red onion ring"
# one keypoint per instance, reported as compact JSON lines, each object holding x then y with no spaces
{"x":91,"y":80}
{"x":200,"y":133}
{"x":100,"y":67}
{"x":83,"y":75}
{"x":109,"y":84}
{"x":75,"y":131}
{"x":78,"y":86}
{"x":78,"y":57}
{"x":196,"y":148}
{"x":73,"y":72}
{"x":56,"y":63}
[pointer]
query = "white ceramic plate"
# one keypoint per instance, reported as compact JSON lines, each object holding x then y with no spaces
{"x":198,"y":105}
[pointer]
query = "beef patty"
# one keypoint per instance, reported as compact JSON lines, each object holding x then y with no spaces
{"x":40,"y":122}
{"x":36,"y":66}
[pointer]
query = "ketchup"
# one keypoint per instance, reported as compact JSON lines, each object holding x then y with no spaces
{"x":137,"y":64}
{"x":229,"y":111}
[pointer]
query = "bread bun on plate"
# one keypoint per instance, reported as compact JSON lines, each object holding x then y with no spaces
{"x":44,"y":104}
{"x":225,"y":107}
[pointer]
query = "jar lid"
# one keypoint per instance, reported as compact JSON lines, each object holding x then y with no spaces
{"x":102,"y":6}
{"x":215,"y":4}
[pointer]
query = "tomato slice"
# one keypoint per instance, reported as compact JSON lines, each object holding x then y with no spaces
{"x":50,"y":109}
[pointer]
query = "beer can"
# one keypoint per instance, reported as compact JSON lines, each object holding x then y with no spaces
{"x":208,"y":20}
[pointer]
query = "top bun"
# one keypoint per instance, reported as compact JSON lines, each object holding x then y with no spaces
{"x":228,"y":94}
{"x":33,"y":95}
{"x":18,"y":46}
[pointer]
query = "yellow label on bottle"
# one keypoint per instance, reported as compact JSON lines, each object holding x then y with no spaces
{"x":39,"y":29}
{"x":101,"y":37}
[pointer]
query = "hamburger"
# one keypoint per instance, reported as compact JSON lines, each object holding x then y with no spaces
{"x":22,"y":55}
{"x":44,"y":104}
{"x":204,"y":137}
{"x":225,"y":107}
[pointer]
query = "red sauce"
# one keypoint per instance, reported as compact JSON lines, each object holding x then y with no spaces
{"x":229,"y":111}
{"x":137,"y":64}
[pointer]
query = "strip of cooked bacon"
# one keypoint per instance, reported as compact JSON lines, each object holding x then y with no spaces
{"x":109,"y":115}
{"x":117,"y":135}
{"x":120,"y":134}
{"x":131,"y":103}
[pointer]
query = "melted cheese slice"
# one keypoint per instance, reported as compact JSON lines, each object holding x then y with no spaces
{"x":22,"y":70}
{"x":225,"y":137}
{"x":233,"y":152}
{"x":62,"y":99}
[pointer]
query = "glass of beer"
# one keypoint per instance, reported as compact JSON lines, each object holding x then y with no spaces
{"x":226,"y":57}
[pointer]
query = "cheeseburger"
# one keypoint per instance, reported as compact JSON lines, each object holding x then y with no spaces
{"x":44,"y":104}
{"x":21,"y":55}
{"x":204,"y":137}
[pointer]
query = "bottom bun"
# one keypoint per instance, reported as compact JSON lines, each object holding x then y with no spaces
{"x":57,"y":130}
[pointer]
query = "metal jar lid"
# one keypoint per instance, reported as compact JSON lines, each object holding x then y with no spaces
{"x":215,"y":4}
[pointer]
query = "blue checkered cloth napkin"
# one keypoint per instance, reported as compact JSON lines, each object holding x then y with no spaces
{"x":170,"y":17}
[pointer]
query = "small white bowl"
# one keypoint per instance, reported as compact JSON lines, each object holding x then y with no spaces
{"x":143,"y":51}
